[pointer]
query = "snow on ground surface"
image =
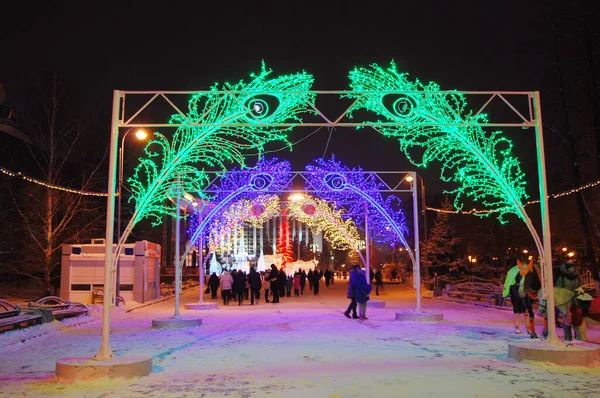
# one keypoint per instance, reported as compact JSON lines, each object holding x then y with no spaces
{"x":302,"y":347}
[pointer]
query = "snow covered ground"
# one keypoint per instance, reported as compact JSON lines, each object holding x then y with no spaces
{"x":302,"y":347}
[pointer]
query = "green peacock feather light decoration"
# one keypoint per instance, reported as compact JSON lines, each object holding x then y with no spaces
{"x":222,"y":125}
{"x":426,"y":128}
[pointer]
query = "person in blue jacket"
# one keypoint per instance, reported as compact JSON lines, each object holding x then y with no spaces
{"x":362,"y":290}
{"x":351,"y":293}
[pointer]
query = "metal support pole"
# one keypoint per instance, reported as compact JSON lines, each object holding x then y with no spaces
{"x":417,"y":271}
{"x":367,"y":246}
{"x":547,"y":264}
{"x":105,"y":352}
{"x":201,"y":261}
{"x":424,"y":214}
{"x":178,"y":261}
{"x":120,"y":194}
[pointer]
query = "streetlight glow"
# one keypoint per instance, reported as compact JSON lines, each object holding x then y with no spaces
{"x":571,"y":254}
{"x":564,"y":249}
{"x":525,"y":251}
{"x":141,"y":134}
{"x":409,"y":178}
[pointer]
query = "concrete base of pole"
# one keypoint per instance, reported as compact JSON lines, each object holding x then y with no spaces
{"x":128,"y":366}
{"x":170,"y":323}
{"x":414,"y":316}
{"x":201,"y":306}
{"x":577,"y":353}
{"x":375,"y":304}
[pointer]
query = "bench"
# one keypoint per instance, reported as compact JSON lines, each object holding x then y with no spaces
{"x":98,"y":297}
{"x":13,"y":316}
{"x":60,"y":308}
{"x":477,"y":290}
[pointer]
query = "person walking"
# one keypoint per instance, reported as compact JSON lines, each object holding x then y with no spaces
{"x":289,"y":282}
{"x":378,"y":281}
{"x":239,"y":286}
{"x":511,"y":289}
{"x":302,"y":281}
{"x":267,"y":284}
{"x":213,"y":283}
{"x":255,"y":285}
{"x":297,"y":284}
{"x":310,"y":279}
{"x":226,"y":283}
{"x":362,"y":290}
{"x":352,"y":293}
{"x":316,"y":278}
{"x":281,"y":280}
{"x":273,"y":278}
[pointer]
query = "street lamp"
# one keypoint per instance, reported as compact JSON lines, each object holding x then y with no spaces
{"x":141,"y":135}
{"x":410,"y":178}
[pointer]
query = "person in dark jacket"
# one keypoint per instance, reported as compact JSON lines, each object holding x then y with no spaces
{"x":282,"y":278}
{"x":213,"y":283}
{"x":316,"y":278}
{"x":289,"y":282}
{"x":302,"y":281}
{"x":239,"y":286}
{"x":273,"y":278}
{"x":255,"y":285}
{"x":310,"y":279}
{"x":378,"y":281}
{"x":352,"y":293}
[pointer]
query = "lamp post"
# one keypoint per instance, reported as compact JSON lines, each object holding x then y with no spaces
{"x":424,"y":213}
{"x":140,"y":135}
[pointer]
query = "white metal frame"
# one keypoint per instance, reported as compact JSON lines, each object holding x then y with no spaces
{"x":530,"y":117}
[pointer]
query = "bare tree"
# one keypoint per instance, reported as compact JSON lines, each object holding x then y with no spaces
{"x":49,"y":216}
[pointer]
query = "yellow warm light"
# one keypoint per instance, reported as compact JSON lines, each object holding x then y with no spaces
{"x":409,"y":178}
{"x":525,"y":251}
{"x":571,"y":254}
{"x":296,"y":197}
{"x":564,"y":249}
{"x":141,"y":134}
{"x":473,"y":260}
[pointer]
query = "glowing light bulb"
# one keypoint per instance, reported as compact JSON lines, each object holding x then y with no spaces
{"x":141,"y":134}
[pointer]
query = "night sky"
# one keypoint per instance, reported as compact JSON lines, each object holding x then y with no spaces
{"x":100,"y":46}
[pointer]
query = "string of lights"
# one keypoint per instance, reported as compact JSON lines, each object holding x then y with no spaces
{"x":467,"y":212}
{"x":530,"y":202}
{"x":46,"y":185}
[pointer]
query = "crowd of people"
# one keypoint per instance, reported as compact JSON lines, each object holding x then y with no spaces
{"x":276,"y":283}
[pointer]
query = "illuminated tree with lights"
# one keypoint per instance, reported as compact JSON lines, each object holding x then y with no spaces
{"x":441,"y":244}
{"x":170,"y":168}
{"x":284,"y":247}
{"x":479,"y":162}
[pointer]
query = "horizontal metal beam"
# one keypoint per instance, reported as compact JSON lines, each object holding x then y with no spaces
{"x":517,"y":104}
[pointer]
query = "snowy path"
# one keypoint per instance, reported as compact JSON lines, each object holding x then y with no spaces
{"x":301,"y":347}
